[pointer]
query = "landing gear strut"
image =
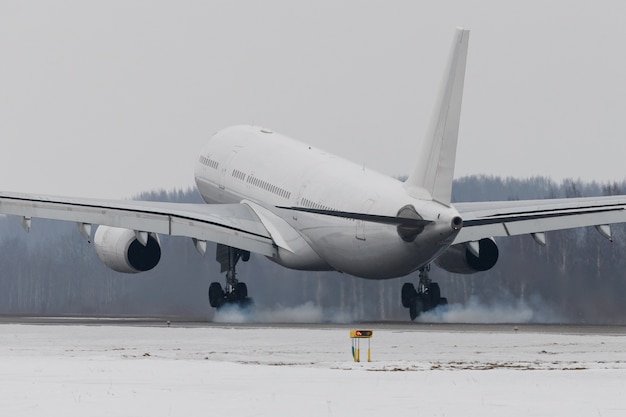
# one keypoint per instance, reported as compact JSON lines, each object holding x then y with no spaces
{"x":234,"y":292}
{"x":426,"y":297}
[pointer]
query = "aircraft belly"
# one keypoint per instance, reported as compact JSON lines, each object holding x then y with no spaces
{"x":381,"y":255}
{"x":304,"y":260}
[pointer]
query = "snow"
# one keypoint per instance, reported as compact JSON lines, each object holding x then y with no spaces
{"x":114,"y":369}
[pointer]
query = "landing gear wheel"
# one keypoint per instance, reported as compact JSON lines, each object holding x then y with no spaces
{"x":241,"y":291}
{"x":434,"y":295}
{"x":408,"y":293}
{"x":234,"y":292}
{"x":417,"y":307}
{"x":426,"y":297}
{"x":434,"y":292}
{"x":239,"y":295}
{"x":216,"y":295}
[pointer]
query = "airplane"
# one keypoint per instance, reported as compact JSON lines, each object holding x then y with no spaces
{"x":308,"y":209}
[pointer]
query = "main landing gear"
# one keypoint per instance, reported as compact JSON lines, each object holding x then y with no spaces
{"x":425,"y":298}
{"x":234,"y":292}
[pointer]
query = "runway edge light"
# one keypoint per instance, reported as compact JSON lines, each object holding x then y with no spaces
{"x":356,"y":336}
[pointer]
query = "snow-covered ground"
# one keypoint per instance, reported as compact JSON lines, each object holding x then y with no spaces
{"x":291,"y":370}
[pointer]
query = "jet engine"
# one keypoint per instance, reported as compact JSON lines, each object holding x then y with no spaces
{"x":122,"y":251}
{"x":470,"y":257}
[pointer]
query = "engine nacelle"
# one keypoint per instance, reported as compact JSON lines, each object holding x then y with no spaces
{"x":120,"y":250}
{"x":461,"y":260}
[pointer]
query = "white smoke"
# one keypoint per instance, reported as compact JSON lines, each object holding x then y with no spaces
{"x":503,"y":311}
{"x":305,"y":313}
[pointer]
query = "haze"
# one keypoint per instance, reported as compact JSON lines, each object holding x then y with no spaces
{"x":111,"y":98}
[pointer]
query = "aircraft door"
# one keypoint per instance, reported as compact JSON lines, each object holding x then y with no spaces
{"x":360,"y":224}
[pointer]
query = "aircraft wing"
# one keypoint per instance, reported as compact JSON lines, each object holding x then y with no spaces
{"x":510,"y":218}
{"x":234,"y":225}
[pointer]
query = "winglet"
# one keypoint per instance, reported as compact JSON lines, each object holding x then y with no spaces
{"x":433,"y":174}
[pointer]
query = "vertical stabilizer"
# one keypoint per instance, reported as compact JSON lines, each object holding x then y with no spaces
{"x":433,"y":174}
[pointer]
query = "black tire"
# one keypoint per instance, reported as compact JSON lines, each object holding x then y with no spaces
{"x":408,"y":293}
{"x":216,"y":295}
{"x":416,"y":308}
{"x":435,"y":292}
{"x":241,"y":291}
{"x":432,"y":296}
{"x":443,"y":301}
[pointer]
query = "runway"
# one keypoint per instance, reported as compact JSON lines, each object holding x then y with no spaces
{"x":143,"y":366}
{"x":386,"y":325}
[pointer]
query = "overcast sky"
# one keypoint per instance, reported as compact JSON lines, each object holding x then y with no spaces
{"x":106,"y":99}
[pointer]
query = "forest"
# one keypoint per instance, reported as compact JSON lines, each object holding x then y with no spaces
{"x":578,"y":277}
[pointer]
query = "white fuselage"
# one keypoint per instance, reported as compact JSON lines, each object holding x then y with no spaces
{"x":269,"y":170}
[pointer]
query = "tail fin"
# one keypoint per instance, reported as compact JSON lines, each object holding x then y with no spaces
{"x":434,"y":171}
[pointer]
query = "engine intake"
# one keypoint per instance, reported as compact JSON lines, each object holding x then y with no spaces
{"x":460,"y":259}
{"x":120,"y":250}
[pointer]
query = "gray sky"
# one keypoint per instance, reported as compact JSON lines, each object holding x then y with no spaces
{"x":106,"y":99}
